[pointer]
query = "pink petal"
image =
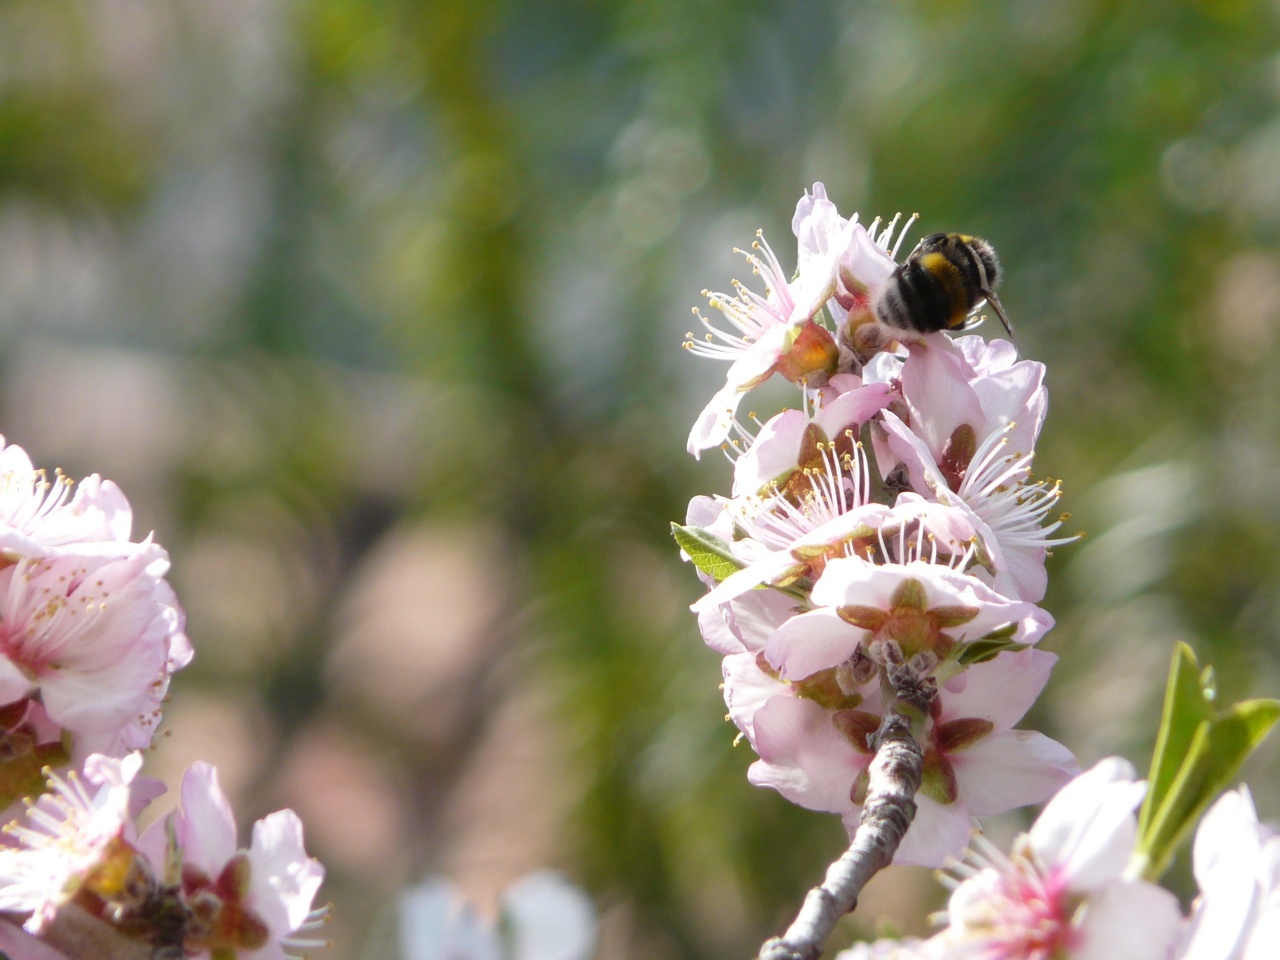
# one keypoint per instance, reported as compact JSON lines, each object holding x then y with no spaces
{"x":938,"y":393}
{"x":746,"y":689}
{"x":283,"y":879}
{"x":712,"y":426}
{"x":772,"y":455}
{"x":1129,"y":920}
{"x":1014,"y":395}
{"x":762,"y":571}
{"x":854,"y":407}
{"x":813,"y":641}
{"x":14,"y":684}
{"x":911,"y":450}
{"x":1089,"y":827}
{"x":754,"y":616}
{"x":1226,"y":858}
{"x":205,"y":825}
{"x":803,"y":756}
{"x":1262,"y":940}
{"x":1001,"y":690}
{"x":1011,"y":769}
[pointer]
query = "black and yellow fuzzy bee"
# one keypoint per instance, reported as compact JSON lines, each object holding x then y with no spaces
{"x":940,"y":284}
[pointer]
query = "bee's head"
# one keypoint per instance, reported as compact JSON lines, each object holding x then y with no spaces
{"x":988,"y":262}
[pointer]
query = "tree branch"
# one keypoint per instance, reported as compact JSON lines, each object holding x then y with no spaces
{"x":894,"y":778}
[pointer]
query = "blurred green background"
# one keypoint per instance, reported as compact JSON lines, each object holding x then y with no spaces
{"x":374,"y":310}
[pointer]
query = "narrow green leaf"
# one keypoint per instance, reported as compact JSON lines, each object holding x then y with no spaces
{"x":988,"y":648}
{"x":1003,"y":632}
{"x":708,"y":552}
{"x":1185,"y":708}
{"x":1213,"y":757}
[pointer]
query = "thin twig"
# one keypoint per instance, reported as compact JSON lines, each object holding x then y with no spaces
{"x":894,"y":778}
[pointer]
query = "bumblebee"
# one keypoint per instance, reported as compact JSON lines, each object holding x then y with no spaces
{"x":945,"y":278}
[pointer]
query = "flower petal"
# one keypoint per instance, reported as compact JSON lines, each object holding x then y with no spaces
{"x":1011,"y":769}
{"x":1129,"y":920}
{"x":803,"y":756}
{"x":1090,"y":827}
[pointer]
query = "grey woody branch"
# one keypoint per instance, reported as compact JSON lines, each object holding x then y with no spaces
{"x":894,"y":778}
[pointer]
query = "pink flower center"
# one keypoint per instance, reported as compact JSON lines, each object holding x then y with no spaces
{"x":1023,"y":915}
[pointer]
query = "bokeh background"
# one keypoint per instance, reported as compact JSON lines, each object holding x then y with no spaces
{"x":374,"y":310}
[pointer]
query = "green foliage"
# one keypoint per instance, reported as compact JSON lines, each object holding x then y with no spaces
{"x":1199,"y":751}
{"x":708,"y":552}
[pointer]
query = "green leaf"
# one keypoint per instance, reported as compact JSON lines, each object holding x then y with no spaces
{"x":988,"y":648}
{"x":1185,"y":707}
{"x":1003,"y":632}
{"x":1213,"y":757}
{"x":708,"y":552}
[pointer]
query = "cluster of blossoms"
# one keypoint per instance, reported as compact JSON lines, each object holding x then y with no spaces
{"x":876,"y":569}
{"x":887,"y":535}
{"x":90,"y":634}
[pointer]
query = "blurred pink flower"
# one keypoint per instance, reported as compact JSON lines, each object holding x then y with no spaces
{"x":95,"y":639}
{"x":541,"y":917}
{"x":252,"y":902}
{"x":39,"y":514}
{"x":1236,"y":861}
{"x":1063,"y":891}
{"x":70,"y":836}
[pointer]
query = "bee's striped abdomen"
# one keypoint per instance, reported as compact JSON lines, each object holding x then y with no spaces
{"x":939,"y":284}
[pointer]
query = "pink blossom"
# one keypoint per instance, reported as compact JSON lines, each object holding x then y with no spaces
{"x":1236,"y":861}
{"x":812,"y":735}
{"x":965,"y":405}
{"x":1063,"y":892}
{"x":40,"y":515}
{"x":823,"y":239}
{"x":95,"y":638}
{"x":839,"y":265}
{"x":779,"y":332}
{"x":70,"y":834}
{"x":798,"y":351}
{"x":923,"y":607}
{"x":864,"y":256}
{"x":824,"y":512}
{"x":785,"y":443}
{"x":254,"y":901}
